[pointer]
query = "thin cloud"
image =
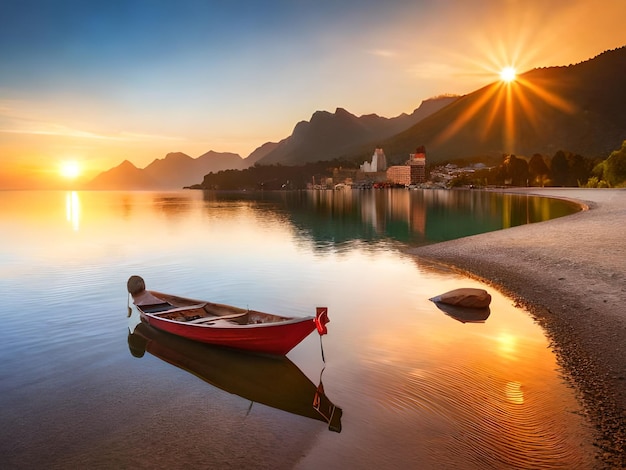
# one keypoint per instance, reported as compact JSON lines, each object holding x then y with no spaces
{"x":386,"y":53}
{"x":22,"y":126}
{"x":432,"y":70}
{"x":62,"y":131}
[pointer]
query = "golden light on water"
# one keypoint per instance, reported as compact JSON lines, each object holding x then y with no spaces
{"x":72,"y":209}
{"x":507,"y":344}
{"x":513,"y":393}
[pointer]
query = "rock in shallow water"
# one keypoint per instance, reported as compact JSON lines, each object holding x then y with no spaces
{"x":465,"y":297}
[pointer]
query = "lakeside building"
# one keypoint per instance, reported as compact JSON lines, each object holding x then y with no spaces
{"x":378,"y":163}
{"x":405,"y":175}
{"x":374,"y":171}
{"x":412,"y":172}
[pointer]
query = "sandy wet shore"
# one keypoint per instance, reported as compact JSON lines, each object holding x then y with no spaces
{"x":570,"y":273}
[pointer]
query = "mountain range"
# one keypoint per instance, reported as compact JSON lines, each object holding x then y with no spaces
{"x":579,"y":108}
{"x":324,"y":137}
{"x":174,"y":171}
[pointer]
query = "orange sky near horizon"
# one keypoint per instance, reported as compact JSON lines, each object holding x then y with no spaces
{"x":98,"y":86}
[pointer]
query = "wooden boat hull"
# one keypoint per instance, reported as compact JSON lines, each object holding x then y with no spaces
{"x":270,"y":339}
{"x":229,"y":326}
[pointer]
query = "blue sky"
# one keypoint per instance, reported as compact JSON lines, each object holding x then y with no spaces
{"x":103,"y":81}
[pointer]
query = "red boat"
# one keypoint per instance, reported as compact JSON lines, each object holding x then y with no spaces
{"x":223,"y":325}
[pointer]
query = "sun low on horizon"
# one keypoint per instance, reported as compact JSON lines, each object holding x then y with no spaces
{"x":70,"y":169}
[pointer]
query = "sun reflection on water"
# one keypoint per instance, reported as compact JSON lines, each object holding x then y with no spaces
{"x":72,"y":209}
{"x":513,"y":393}
{"x":507,"y":345}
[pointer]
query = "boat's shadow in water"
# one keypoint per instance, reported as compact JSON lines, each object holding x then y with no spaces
{"x":274,"y":381}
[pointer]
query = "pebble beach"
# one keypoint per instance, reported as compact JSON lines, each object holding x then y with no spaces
{"x":570,"y":274}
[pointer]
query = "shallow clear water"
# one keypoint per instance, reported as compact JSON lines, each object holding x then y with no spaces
{"x":417,"y":388}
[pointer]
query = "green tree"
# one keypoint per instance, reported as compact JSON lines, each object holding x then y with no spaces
{"x":539,"y":173}
{"x":578,"y":170}
{"x":615,"y":167}
{"x":595,"y":182}
{"x":514,"y":171}
{"x":559,"y":168}
{"x":570,"y":169}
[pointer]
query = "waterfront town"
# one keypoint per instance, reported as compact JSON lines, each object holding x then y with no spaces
{"x":377,"y":174}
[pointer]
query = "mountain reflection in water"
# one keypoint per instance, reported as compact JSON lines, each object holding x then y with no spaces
{"x":271,"y":380}
{"x":335,"y":218}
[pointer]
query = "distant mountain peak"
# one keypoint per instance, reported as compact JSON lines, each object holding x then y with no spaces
{"x":177,"y":155}
{"x":340,"y":111}
{"x":126,"y":164}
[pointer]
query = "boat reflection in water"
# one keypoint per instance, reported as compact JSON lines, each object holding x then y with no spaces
{"x":465,"y":314}
{"x":273,"y":381}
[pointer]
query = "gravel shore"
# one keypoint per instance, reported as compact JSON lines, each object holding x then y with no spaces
{"x":570,"y":274}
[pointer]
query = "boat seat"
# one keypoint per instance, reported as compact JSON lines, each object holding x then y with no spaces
{"x":215,"y":318}
{"x":176,"y":309}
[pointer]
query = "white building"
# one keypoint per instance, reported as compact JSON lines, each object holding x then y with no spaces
{"x":379,"y":162}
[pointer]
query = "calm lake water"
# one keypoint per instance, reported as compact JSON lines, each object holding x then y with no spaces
{"x":416,"y":387}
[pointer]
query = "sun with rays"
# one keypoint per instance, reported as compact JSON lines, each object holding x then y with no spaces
{"x":504,"y":106}
{"x":508,"y":74}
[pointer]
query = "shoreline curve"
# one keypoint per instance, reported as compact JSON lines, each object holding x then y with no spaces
{"x":570,"y":274}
